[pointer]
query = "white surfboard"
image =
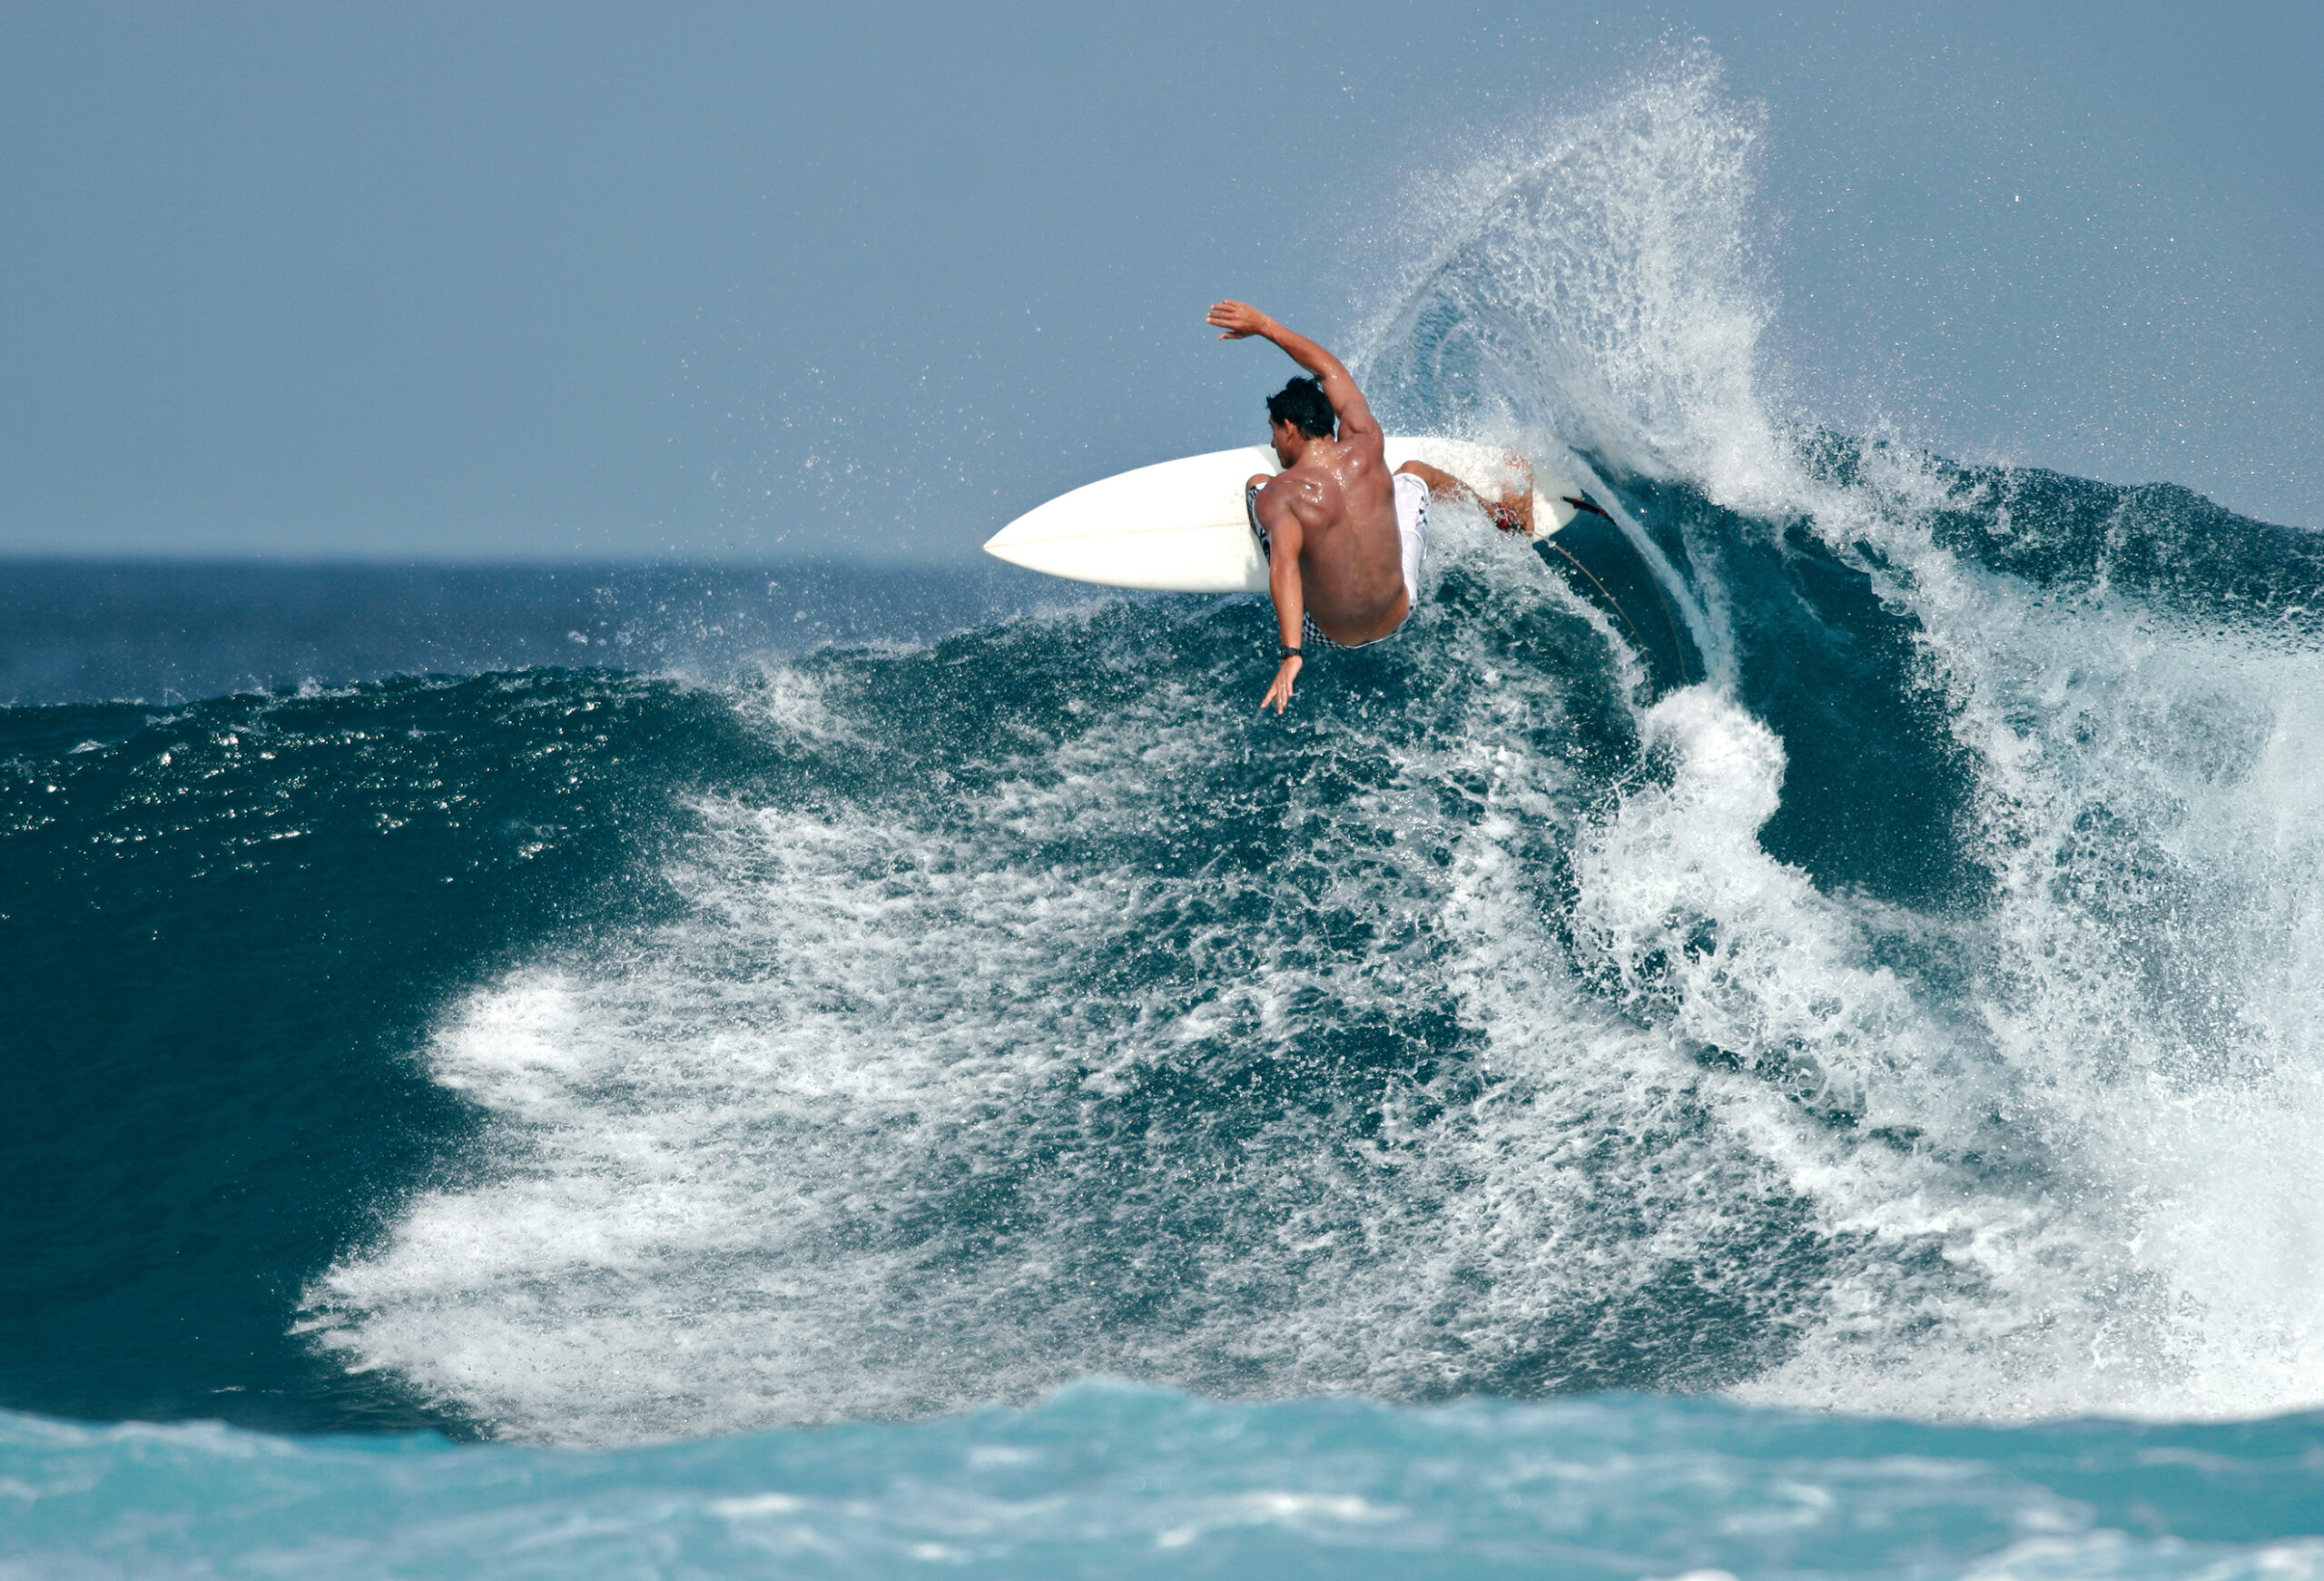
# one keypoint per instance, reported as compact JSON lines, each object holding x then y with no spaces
{"x":1178,"y":527}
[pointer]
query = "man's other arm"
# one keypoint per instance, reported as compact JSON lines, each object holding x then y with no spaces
{"x":1286,"y":537}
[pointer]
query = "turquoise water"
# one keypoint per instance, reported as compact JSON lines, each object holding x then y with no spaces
{"x":1109,"y":1481}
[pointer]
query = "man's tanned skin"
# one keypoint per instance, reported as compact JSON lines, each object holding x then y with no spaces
{"x":1330,"y":514}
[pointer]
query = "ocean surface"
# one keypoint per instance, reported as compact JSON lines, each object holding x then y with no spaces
{"x":601,"y":1071}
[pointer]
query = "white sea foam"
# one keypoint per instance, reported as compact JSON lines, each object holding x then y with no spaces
{"x":2153,"y":992}
{"x":2133,"y":1066}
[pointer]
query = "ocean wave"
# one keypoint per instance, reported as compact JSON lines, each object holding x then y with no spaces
{"x":1914,"y":1014}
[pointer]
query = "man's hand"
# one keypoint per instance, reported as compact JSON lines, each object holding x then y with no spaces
{"x":1240,"y":320}
{"x":1237,"y":320}
{"x":1279,"y":694}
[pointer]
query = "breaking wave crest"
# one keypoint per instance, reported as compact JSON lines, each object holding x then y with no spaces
{"x":1917,"y":1016}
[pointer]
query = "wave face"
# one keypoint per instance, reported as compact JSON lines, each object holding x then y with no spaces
{"x":1917,"y":1016}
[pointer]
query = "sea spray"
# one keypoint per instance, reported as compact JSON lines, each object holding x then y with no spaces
{"x":2095,"y":1045}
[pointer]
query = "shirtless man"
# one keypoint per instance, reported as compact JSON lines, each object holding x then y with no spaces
{"x":1344,"y":535}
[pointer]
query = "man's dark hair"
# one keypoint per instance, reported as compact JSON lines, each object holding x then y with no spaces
{"x":1301,"y":404}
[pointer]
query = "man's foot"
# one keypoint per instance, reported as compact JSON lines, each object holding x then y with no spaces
{"x":1514,"y":511}
{"x":1513,"y":514}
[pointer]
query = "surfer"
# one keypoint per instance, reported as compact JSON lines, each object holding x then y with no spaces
{"x":1344,"y":535}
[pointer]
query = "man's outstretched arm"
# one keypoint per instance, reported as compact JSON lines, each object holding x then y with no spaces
{"x":1235,"y":320}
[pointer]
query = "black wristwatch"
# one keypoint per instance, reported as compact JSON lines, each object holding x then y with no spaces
{"x":1284,"y":651}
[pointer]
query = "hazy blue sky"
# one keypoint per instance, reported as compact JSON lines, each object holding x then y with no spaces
{"x":419,"y":279}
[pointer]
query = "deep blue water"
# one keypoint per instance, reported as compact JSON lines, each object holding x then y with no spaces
{"x":176,"y":631}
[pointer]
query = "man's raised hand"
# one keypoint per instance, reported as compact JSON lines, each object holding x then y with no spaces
{"x":1237,"y":320}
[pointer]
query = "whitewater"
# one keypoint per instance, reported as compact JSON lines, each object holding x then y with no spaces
{"x":1506,"y":1117}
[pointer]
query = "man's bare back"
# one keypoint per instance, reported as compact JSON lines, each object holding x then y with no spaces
{"x":1335,"y":557}
{"x":1330,"y":514}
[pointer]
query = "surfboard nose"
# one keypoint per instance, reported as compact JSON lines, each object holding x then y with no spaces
{"x":1174,"y":527}
{"x":1000,"y":546}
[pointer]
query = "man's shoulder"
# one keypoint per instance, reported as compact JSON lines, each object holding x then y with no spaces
{"x":1311,"y":473}
{"x":1361,"y":462}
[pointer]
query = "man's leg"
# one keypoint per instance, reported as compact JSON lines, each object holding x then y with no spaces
{"x":1512,"y":512}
